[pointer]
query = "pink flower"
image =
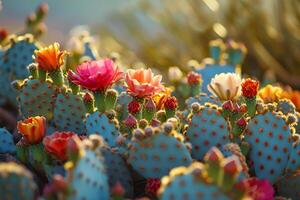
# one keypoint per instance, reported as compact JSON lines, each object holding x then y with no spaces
{"x":142,"y":82}
{"x":95,"y":75}
{"x":259,"y":189}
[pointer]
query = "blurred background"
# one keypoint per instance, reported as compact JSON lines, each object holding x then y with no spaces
{"x":168,"y":33}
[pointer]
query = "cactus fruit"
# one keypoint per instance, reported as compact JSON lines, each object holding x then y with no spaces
{"x":286,"y":106}
{"x":36,"y":98}
{"x":117,"y":170}
{"x":86,"y":175}
{"x":16,"y":182}
{"x":155,"y":151}
{"x":207,"y":128}
{"x":269,"y":136}
{"x":98,"y":123}
{"x":216,"y":179}
{"x":6,"y":142}
{"x":289,"y":186}
{"x":294,"y":161}
{"x":69,"y":113}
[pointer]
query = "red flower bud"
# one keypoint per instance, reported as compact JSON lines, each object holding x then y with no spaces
{"x":152,"y":185}
{"x":250,"y":88}
{"x":131,"y":122}
{"x":171,"y":103}
{"x":150,"y":105}
{"x":118,"y":190}
{"x":228,"y":105}
{"x":134,"y":107}
{"x":213,"y":155}
{"x":87,"y":97}
{"x":241,"y":122}
{"x":194,"y":78}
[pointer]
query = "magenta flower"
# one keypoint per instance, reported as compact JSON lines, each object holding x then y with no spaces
{"x":95,"y":75}
{"x":259,"y":189}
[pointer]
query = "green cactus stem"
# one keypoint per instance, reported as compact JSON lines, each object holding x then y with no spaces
{"x":251,"y":106}
{"x":100,"y":101}
{"x":57,"y":77}
{"x":111,"y":99}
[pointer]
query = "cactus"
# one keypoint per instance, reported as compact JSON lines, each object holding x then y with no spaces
{"x":97,"y":123}
{"x":294,"y":161}
{"x":269,"y":136}
{"x":122,"y":102}
{"x":16,"y":182}
{"x":155,"y":151}
{"x":6,"y":142}
{"x":216,"y":179}
{"x":117,"y":170}
{"x":69,"y":113}
{"x":289,"y":186}
{"x":207,"y":128}
{"x":286,"y":106}
{"x":36,"y":98}
{"x":86,"y":175}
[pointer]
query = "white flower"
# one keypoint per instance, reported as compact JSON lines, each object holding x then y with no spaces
{"x":226,"y":86}
{"x":174,"y":74}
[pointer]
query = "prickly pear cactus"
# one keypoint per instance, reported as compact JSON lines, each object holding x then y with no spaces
{"x":122,"y":102}
{"x":289,"y":186}
{"x":198,"y":182}
{"x":6,"y":142}
{"x":97,"y":123}
{"x":117,"y":170}
{"x":87,"y":177}
{"x":17,"y":182}
{"x":270,"y":141}
{"x":286,"y":106}
{"x":294,"y":158}
{"x":36,"y":98}
{"x":18,"y":56}
{"x":155,"y":151}
{"x":207,"y":128}
{"x":69,"y":113}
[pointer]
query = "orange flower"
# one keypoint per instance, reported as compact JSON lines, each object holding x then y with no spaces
{"x":161,"y":97}
{"x":50,"y":58}
{"x":32,"y":129}
{"x":270,"y":93}
{"x":294,"y":96}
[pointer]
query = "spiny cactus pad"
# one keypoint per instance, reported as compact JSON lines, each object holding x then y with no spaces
{"x":270,"y":141}
{"x":36,"y":98}
{"x":286,"y":106}
{"x":155,"y":155}
{"x":16,"y":182}
{"x":207,"y":128}
{"x":6,"y":142}
{"x":202,"y":98}
{"x":69,"y":113}
{"x":19,"y":56}
{"x":122,"y":102}
{"x":117,"y":170}
{"x":294,"y":159}
{"x":196,"y":182}
{"x":87,"y":177}
{"x":97,"y":123}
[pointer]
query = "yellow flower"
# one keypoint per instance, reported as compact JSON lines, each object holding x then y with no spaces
{"x":50,"y":58}
{"x":270,"y":93}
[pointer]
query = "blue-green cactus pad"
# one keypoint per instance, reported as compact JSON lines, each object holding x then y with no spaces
{"x":155,"y":156}
{"x":89,"y":179}
{"x":36,"y":99}
{"x":270,"y":145}
{"x":202,"y":98}
{"x":210,"y":71}
{"x":207,"y":128}
{"x":97,"y":123}
{"x":16,"y":182}
{"x":294,"y":159}
{"x":117,"y":170}
{"x":6,"y":142}
{"x":69,"y":113}
{"x":123,"y":100}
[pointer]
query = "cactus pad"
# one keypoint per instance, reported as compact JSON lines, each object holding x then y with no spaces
{"x":6,"y":142}
{"x":36,"y":98}
{"x":202,"y":98}
{"x":207,"y":128}
{"x":269,"y":137}
{"x":294,"y":159}
{"x":69,"y":113}
{"x":99,"y":124}
{"x":17,"y":182}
